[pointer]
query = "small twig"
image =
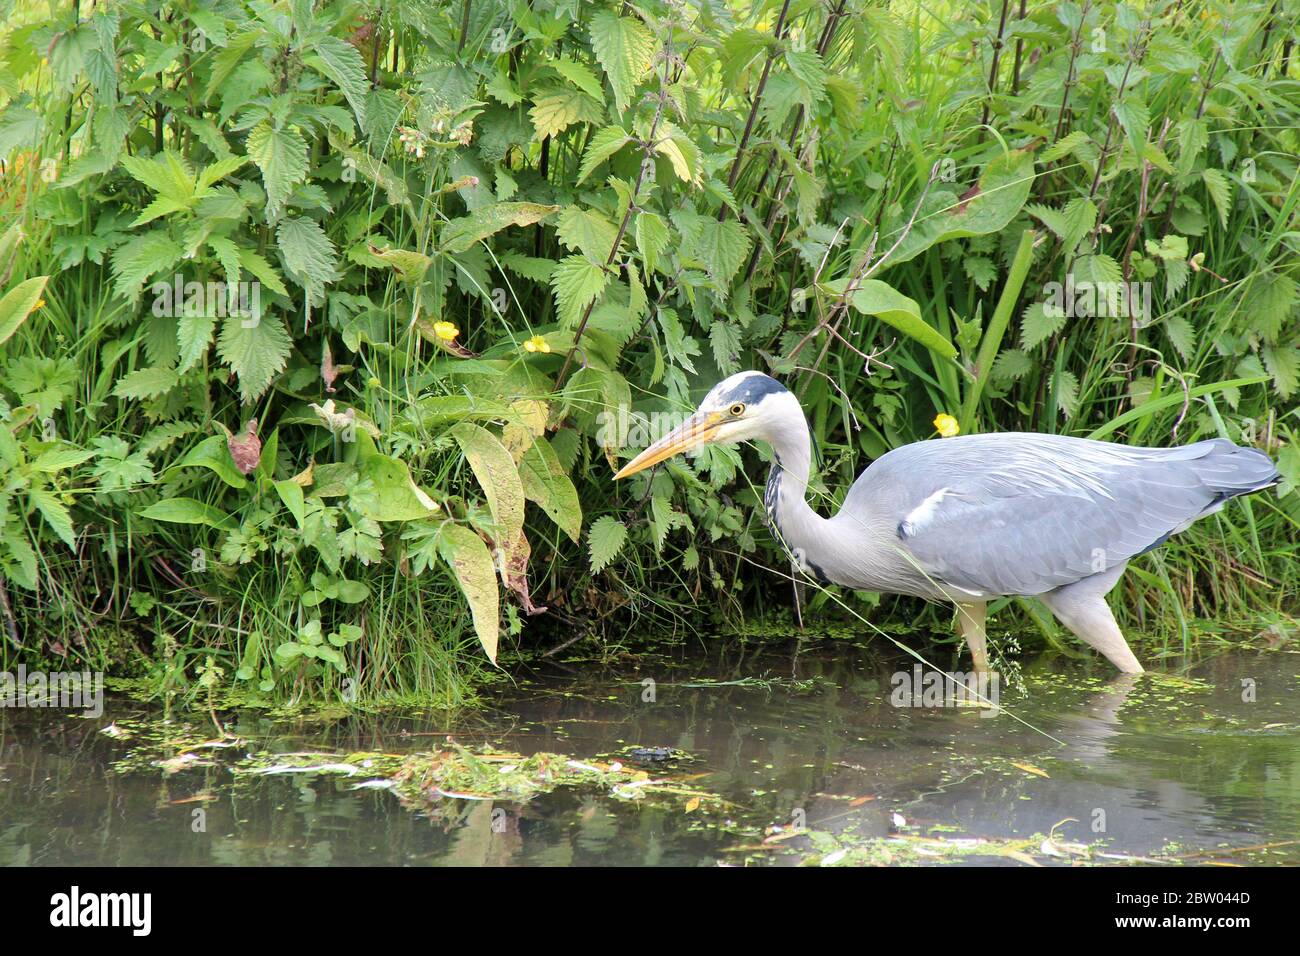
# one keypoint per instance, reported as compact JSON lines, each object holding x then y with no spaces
{"x":865,"y":270}
{"x":11,"y":623}
{"x":993,"y":69}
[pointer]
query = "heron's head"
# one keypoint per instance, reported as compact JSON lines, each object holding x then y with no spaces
{"x":745,"y":406}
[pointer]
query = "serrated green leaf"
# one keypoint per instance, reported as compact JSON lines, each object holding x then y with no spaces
{"x":281,"y":155}
{"x":586,"y":231}
{"x":651,"y":239}
{"x":341,"y":62}
{"x":1038,"y":324}
{"x":146,"y":383}
{"x":577,"y":281}
{"x":309,"y":256}
{"x":55,"y":514}
{"x":255,"y":350}
{"x":603,"y":145}
{"x":605,"y":539}
{"x":194,"y":335}
{"x":625,"y":49}
{"x":555,"y":110}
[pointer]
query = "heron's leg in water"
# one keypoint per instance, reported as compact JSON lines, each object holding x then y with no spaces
{"x":1083,"y":609}
{"x":970,"y":623}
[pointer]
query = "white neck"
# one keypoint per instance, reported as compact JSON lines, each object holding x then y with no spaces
{"x":852,"y":553}
{"x":787,"y":485}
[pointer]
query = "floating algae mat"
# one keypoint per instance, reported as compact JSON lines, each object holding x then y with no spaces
{"x":755,"y":752}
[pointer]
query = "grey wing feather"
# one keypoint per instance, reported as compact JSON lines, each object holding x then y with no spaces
{"x":1024,"y":513}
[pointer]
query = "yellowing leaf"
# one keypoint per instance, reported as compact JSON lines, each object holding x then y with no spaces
{"x":18,"y":303}
{"x":470,"y":562}
{"x":1030,"y":768}
{"x":545,"y":482}
{"x":497,"y":475}
{"x":460,"y":234}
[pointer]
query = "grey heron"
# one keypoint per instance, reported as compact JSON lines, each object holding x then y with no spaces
{"x":971,"y":518}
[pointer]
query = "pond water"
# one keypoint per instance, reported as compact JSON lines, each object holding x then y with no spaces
{"x":802,"y":753}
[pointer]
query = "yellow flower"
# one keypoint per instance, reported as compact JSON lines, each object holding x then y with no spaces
{"x":537,"y":344}
{"x":40,"y":303}
{"x":445,"y":331}
{"x":946,"y":425}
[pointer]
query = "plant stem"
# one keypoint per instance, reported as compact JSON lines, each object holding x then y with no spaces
{"x":993,"y":68}
{"x":992,"y":340}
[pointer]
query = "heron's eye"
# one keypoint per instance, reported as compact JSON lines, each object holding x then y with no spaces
{"x":738,"y":409}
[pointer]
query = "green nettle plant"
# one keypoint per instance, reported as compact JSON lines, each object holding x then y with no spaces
{"x":323,"y":323}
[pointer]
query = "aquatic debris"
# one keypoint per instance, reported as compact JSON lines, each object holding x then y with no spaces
{"x":343,"y":768}
{"x":182,"y":762}
{"x":653,"y":754}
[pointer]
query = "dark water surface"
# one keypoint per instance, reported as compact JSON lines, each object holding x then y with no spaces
{"x":1181,"y":769}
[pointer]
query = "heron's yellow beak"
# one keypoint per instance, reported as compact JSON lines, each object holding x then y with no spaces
{"x":695,"y":431}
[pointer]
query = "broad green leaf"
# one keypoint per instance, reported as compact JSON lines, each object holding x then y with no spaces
{"x":386,"y":491}
{"x":605,"y":539}
{"x":189,"y":511}
{"x":471,"y":564}
{"x":290,"y":493}
{"x":212,"y":453}
{"x":18,"y":303}
{"x":544,"y":481}
{"x":497,"y":476}
{"x":880,"y":299}
{"x":1003,"y":189}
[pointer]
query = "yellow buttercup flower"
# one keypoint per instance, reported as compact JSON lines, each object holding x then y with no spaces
{"x":537,"y":344}
{"x":946,"y":425}
{"x":40,"y":303}
{"x":445,"y":331}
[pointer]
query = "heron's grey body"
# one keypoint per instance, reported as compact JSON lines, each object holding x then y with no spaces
{"x":970,"y":518}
